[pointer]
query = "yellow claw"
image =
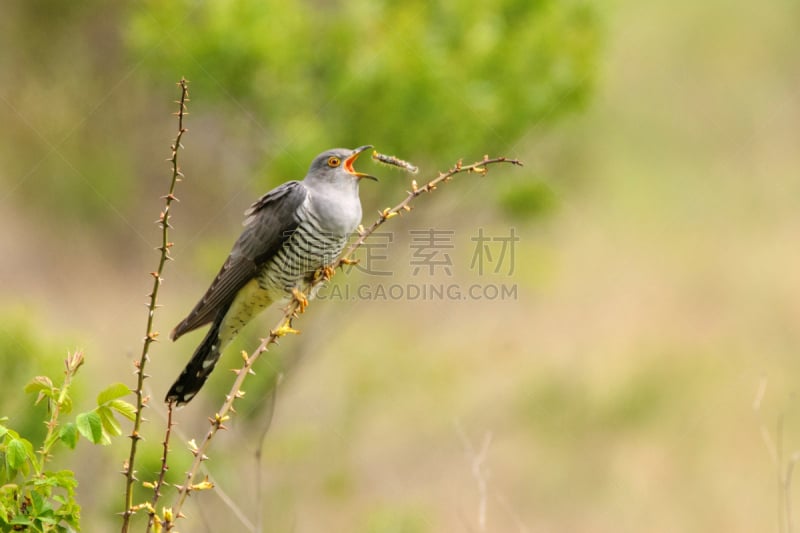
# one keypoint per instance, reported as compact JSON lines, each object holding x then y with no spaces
{"x":301,"y":299}
{"x":324,"y":273}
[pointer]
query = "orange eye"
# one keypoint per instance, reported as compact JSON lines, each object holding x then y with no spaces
{"x":333,"y":161}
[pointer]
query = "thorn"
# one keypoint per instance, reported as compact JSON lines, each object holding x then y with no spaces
{"x":282,"y":331}
{"x":348,"y":261}
{"x":203,"y":485}
{"x":479,"y":170}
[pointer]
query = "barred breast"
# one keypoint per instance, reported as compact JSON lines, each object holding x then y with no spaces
{"x":309,"y":248}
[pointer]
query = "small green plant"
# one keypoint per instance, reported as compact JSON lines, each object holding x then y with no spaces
{"x":38,"y":500}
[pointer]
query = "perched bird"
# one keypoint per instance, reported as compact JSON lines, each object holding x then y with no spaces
{"x":289,"y":234}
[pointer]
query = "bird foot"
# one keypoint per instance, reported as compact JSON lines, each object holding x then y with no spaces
{"x":325,"y":273}
{"x":301,"y":299}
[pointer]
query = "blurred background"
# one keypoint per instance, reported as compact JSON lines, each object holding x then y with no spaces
{"x":616,"y":346}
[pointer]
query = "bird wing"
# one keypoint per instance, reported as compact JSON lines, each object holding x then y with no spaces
{"x":268,"y":223}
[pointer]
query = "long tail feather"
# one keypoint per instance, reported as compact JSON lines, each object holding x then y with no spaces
{"x":199,"y":367}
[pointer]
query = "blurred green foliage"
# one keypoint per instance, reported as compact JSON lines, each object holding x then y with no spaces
{"x":62,"y":64}
{"x":561,"y":406}
{"x":27,"y":354}
{"x":527,"y":199}
{"x":33,"y":498}
{"x":430,"y":80}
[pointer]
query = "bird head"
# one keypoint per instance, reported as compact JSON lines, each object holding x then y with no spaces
{"x":336,"y":165}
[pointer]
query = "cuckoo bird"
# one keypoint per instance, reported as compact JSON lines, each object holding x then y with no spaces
{"x":289,"y":234}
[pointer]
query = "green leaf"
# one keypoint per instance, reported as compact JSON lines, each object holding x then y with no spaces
{"x":38,"y":383}
{"x":65,"y":479}
{"x":124,"y":408}
{"x":47,"y":518}
{"x":15,"y":454}
{"x":110,"y":424}
{"x":39,"y":503}
{"x":31,"y":453}
{"x":21,"y":520}
{"x":69,"y":435}
{"x":117,"y":390}
{"x":3,"y":431}
{"x":90,"y":426}
{"x":42,"y":385}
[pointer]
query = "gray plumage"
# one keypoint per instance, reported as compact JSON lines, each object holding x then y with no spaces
{"x":289,"y":233}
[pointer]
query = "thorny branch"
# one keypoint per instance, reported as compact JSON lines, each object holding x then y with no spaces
{"x":150,"y":335}
{"x":295,"y":306}
{"x":164,"y":467}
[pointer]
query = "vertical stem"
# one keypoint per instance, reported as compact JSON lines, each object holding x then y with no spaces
{"x":164,"y":465}
{"x":150,"y":335}
{"x":71,"y":365}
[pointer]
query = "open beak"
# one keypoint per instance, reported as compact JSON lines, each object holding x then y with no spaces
{"x":348,"y":163}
